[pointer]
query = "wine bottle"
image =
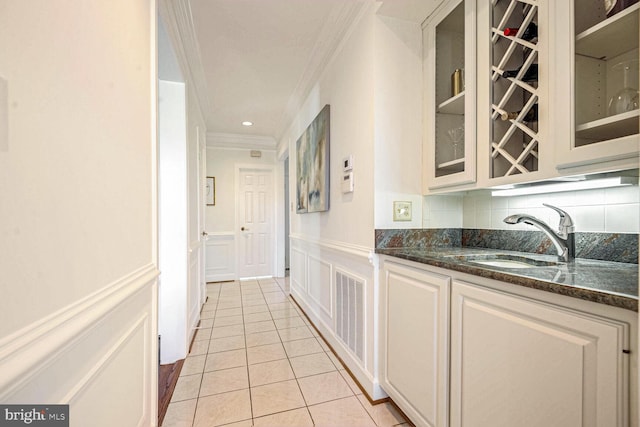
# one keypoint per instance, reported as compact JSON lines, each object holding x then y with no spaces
{"x":531,"y":116}
{"x":529,"y":34}
{"x":530,"y":75}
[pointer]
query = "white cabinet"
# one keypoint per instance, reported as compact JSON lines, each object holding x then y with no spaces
{"x":596,"y":59}
{"x":464,"y":351}
{"x":415,"y":345}
{"x":521,"y":362}
{"x":449,"y":70}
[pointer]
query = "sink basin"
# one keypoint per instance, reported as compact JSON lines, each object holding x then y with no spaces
{"x":506,"y":261}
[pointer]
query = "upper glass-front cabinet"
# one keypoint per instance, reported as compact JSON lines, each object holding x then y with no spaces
{"x":449,"y":67}
{"x":604,"y":43}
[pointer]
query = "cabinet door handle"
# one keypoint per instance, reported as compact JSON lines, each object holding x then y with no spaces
{"x":244,"y":229}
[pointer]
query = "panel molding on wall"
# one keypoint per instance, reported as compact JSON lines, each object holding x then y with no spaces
{"x":298,"y":268}
{"x":220,"y":257}
{"x":321,"y":288}
{"x":75,"y":355}
{"x":314,"y":264}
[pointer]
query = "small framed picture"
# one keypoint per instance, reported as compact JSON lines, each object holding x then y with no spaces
{"x":211,"y":191}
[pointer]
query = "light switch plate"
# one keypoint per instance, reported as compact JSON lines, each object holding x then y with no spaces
{"x":402,"y":211}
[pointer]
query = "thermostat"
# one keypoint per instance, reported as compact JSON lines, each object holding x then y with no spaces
{"x":347,"y":163}
{"x":347,"y":182}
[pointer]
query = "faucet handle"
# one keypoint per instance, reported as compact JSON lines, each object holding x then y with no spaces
{"x":566,"y":223}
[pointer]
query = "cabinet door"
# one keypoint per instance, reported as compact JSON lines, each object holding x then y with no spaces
{"x":513,"y":81}
{"x":596,"y":57}
{"x":415,"y":343}
{"x":450,"y":75}
{"x":520,"y":362}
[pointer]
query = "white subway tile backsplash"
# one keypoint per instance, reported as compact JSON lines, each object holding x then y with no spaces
{"x":588,"y":197}
{"x":499,"y":203}
{"x":469,"y":204}
{"x":469,"y":218}
{"x":621,"y":218}
{"x":622,"y":195}
{"x":483,"y":203}
{"x":497,"y":218}
{"x":611,"y":210}
{"x":588,"y":218}
{"x":483,"y":219}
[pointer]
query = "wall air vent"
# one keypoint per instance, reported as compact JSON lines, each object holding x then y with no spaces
{"x":350,"y":312}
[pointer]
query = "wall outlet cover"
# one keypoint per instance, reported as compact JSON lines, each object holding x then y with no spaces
{"x":402,"y":211}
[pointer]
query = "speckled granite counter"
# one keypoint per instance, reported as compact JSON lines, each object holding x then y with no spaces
{"x":612,"y":283}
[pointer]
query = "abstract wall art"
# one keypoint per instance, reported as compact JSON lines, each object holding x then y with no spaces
{"x":312,"y":166}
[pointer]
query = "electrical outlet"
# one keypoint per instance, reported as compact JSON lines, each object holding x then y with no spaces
{"x":402,"y":211}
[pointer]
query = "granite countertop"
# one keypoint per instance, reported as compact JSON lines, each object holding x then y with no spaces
{"x":605,"y":282}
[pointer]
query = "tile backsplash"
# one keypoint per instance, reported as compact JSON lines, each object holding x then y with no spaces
{"x":609,"y":210}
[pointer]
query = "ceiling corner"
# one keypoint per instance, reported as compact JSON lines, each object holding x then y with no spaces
{"x":179,"y":24}
{"x":334,"y":31}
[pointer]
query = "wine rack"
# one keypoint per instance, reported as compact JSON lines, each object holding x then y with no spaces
{"x":514,"y":141}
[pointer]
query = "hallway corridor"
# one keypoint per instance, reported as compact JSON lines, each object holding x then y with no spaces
{"x":257,"y":361}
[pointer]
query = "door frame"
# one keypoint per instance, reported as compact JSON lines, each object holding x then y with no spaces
{"x":239,"y":167}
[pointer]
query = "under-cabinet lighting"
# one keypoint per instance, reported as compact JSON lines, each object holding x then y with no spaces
{"x":247,"y":123}
{"x":587,"y":184}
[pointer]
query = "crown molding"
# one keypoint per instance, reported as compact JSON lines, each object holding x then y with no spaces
{"x":336,"y":28}
{"x":248,"y":142}
{"x":178,"y":20}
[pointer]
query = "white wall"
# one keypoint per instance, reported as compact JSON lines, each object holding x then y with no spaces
{"x":221,"y":218}
{"x":340,"y":240}
{"x":77,"y":218}
{"x":398,"y":120}
{"x":172,"y":195}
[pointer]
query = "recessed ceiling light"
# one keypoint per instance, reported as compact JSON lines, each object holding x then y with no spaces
{"x":247,"y":123}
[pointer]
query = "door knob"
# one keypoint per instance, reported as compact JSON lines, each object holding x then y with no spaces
{"x":205,"y":234}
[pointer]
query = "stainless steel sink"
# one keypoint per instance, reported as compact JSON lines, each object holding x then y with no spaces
{"x":507,"y":261}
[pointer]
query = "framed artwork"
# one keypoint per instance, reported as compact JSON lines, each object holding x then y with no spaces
{"x":210,"y":195}
{"x":312,"y":166}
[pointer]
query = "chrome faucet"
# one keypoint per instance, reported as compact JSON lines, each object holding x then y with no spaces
{"x":563,"y":240}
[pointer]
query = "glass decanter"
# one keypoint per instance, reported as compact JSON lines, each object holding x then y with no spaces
{"x":627,"y":98}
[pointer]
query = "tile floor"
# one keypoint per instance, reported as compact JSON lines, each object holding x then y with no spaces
{"x":257,"y":361}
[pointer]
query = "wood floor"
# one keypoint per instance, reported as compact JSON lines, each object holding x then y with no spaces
{"x":167,"y":379}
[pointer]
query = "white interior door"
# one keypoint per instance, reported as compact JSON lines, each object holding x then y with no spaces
{"x":255,"y":222}
{"x":202,"y":204}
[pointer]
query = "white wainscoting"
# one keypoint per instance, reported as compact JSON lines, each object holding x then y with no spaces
{"x":314,"y":264}
{"x":298,"y":270}
{"x":106,"y":341}
{"x":221,"y":257}
{"x":321,"y":286}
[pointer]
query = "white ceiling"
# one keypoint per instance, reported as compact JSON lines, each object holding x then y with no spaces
{"x":259,"y":57}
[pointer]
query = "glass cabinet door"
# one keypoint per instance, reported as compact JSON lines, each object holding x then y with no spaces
{"x":604,"y":113}
{"x":450,"y":95}
{"x":606,"y":67}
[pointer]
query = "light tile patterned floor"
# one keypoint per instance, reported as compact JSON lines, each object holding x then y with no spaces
{"x":256,"y":361}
